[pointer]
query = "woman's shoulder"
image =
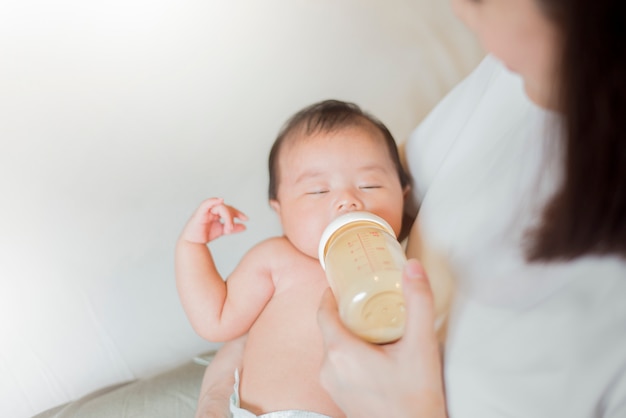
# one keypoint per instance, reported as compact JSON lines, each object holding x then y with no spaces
{"x":464,"y":97}
{"x":490,"y":86}
{"x":484,"y":107}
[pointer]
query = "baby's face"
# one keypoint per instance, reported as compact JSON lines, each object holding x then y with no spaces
{"x":329,"y":174}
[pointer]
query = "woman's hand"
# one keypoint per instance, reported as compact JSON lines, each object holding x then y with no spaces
{"x":403,"y":379}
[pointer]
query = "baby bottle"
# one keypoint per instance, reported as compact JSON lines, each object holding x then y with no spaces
{"x":363,"y":262}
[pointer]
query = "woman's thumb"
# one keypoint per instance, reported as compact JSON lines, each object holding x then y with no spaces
{"x":420,"y":306}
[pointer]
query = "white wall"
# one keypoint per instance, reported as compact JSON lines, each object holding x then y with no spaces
{"x":117,"y":118}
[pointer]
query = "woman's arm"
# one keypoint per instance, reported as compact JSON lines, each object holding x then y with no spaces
{"x":218,"y":381}
{"x":403,"y":379}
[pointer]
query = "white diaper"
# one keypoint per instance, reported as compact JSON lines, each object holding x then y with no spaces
{"x":237,"y":412}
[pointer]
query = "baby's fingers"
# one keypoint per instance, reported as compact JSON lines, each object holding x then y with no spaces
{"x":237,"y":214}
{"x":227,"y":215}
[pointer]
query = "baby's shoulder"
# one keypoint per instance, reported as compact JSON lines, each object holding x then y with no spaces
{"x":266,"y":257}
{"x":288,"y":266}
{"x":274,"y":247}
{"x":278,"y":252}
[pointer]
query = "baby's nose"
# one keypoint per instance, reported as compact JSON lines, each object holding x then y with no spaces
{"x":349,"y":202}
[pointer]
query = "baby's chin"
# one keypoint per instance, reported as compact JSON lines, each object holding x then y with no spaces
{"x":307,"y":250}
{"x":305,"y":242}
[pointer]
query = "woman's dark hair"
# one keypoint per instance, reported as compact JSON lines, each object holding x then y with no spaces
{"x":587,"y":215}
{"x":325,"y":117}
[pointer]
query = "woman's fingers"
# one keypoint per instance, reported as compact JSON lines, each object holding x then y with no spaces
{"x":420,"y":315}
{"x":334,"y":332}
{"x":328,"y":320}
{"x":365,"y":379}
{"x":337,"y":341}
{"x":419,"y":344}
{"x":343,"y":369}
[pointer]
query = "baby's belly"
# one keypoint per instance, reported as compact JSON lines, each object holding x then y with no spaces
{"x":282,"y":358}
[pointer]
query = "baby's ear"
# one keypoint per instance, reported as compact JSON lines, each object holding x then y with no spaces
{"x":406,"y":190}
{"x":274,"y":204}
{"x":409,"y":213}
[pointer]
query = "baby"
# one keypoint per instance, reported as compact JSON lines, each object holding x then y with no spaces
{"x":330,"y":158}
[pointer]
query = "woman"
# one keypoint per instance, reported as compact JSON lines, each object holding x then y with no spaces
{"x":525,"y":203}
{"x":520,"y":174}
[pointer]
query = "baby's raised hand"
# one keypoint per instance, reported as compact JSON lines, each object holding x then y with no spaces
{"x":211,"y":220}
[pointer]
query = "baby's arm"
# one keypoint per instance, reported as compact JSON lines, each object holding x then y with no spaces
{"x":216,"y":311}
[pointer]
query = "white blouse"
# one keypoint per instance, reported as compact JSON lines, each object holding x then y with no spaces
{"x":524,"y":340}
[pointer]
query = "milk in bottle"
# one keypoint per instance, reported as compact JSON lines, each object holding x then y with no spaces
{"x":363,"y":262}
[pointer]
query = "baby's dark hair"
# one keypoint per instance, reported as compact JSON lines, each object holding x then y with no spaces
{"x":325,"y":117}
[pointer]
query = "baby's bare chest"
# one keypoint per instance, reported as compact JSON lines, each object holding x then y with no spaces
{"x":284,"y":349}
{"x":293,"y":307}
{"x":290,"y":317}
